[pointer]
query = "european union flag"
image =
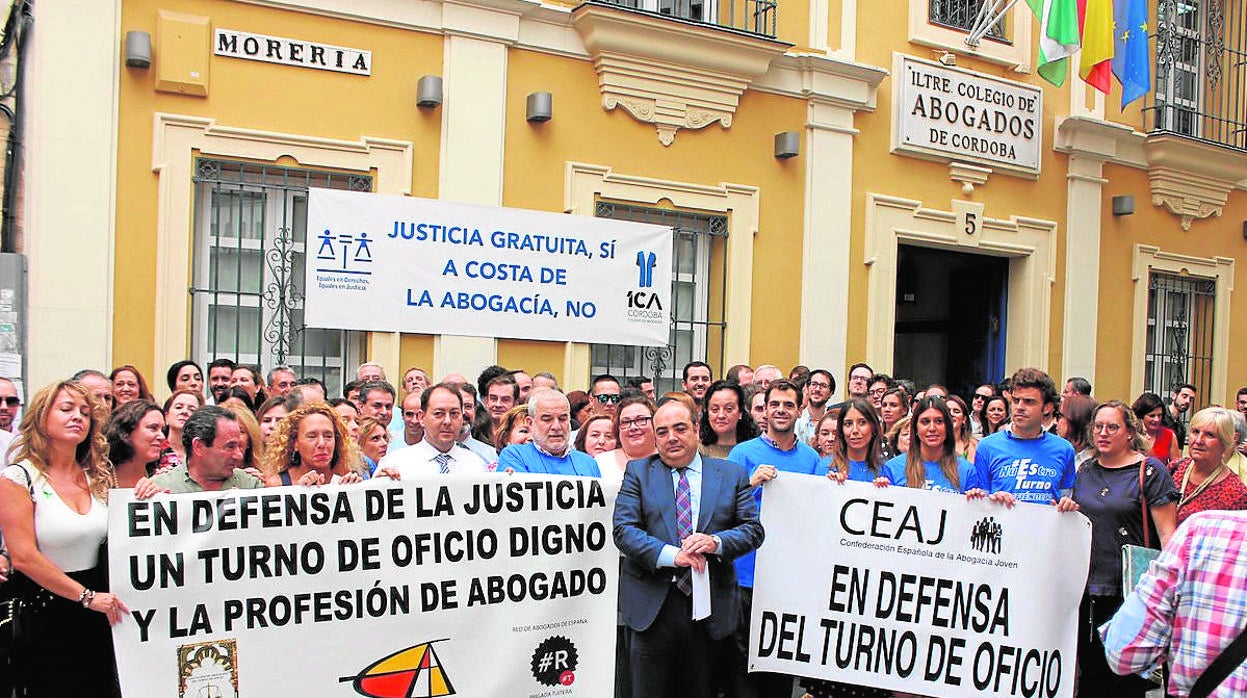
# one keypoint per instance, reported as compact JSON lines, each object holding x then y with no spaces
{"x":1131,"y":64}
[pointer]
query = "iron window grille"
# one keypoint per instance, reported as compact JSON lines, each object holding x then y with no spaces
{"x":247,"y":292}
{"x":1201,"y":50}
{"x":749,"y":16}
{"x":1180,"y":317}
{"x":698,"y":294}
{"x":962,"y":14}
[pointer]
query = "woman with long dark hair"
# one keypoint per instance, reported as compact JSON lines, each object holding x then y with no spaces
{"x":136,"y":438}
{"x":932,"y":462}
{"x":723,"y":423}
{"x":1162,"y":443}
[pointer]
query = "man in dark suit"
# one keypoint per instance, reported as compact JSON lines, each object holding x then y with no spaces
{"x":678,"y":512}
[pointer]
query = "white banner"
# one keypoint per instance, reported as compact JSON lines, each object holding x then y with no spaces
{"x":489,"y":586}
{"x":916,"y":591}
{"x":402,"y":264}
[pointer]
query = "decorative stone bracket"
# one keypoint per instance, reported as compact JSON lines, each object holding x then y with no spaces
{"x":1191,"y":178}
{"x":668,"y":72}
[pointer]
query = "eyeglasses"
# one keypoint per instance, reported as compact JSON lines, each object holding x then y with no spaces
{"x":641,"y":422}
{"x":878,"y":391}
{"x":819,"y":385}
{"x":1106,"y":428}
{"x":11,"y":400}
{"x":608,"y":398}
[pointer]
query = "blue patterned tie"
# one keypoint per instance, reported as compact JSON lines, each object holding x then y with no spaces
{"x":443,"y":463}
{"x":683,"y":528}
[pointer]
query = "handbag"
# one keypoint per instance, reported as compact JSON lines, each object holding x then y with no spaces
{"x":1135,"y":559}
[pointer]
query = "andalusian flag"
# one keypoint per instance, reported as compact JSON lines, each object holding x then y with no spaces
{"x":1131,"y":63}
{"x":1095,"y":64}
{"x":1058,"y":37}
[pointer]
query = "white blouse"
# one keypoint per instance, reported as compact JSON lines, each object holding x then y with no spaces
{"x":67,"y":538}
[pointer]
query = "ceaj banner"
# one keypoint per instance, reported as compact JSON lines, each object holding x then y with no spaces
{"x":402,"y":264}
{"x":916,"y":591}
{"x":485,"y":586}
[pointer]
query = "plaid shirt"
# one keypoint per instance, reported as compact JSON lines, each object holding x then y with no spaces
{"x":1189,"y":606}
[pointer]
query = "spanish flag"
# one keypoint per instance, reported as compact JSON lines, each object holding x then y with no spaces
{"x":1095,"y":64}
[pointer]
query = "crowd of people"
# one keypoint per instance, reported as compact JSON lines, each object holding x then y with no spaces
{"x":691,"y":464}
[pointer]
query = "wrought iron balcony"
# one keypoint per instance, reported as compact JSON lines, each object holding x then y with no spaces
{"x":755,"y":17}
{"x":1201,"y":71}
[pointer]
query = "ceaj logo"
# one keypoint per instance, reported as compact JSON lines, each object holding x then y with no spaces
{"x":554,"y":662}
{"x":986,"y":534}
{"x":415,"y":672}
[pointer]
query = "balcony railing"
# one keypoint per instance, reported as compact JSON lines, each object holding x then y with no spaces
{"x":750,"y":16}
{"x":1201,"y":71}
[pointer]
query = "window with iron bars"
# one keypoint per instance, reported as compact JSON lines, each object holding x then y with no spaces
{"x":248,"y":277}
{"x":1201,"y":47}
{"x":698,"y":290}
{"x":962,"y":14}
{"x":1180,"y":316}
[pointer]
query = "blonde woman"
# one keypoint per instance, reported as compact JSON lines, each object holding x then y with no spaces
{"x":311,"y":446}
{"x":54,"y":517}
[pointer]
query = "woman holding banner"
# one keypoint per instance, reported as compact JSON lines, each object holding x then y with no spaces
{"x":54,"y":517}
{"x":1114,"y":488}
{"x":855,"y":456}
{"x":931,"y":462}
{"x":311,"y":447}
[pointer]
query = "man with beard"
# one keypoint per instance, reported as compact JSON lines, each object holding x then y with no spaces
{"x":819,"y":387}
{"x":220,"y":371}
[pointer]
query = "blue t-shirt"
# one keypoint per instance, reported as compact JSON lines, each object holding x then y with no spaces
{"x":1033,"y":470}
{"x":759,"y":451}
{"x":894,"y":471}
{"x":525,"y":458}
{"x":858,"y":470}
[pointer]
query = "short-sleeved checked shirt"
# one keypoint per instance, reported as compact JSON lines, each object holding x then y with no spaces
{"x":1189,"y":606}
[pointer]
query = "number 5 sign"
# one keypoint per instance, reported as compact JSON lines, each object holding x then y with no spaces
{"x":969,"y":222}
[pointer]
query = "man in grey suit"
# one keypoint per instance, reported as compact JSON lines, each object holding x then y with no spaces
{"x":677,"y":512}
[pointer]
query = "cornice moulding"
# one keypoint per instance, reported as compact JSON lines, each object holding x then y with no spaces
{"x":1191,"y":178}
{"x":668,"y":72}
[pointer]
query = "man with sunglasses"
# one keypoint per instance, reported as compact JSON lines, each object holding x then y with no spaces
{"x":9,"y":402}
{"x":605,"y":394}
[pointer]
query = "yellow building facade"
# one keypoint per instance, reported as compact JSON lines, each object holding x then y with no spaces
{"x":948,"y":263}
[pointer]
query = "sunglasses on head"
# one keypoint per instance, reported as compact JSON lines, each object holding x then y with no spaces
{"x":608,"y":399}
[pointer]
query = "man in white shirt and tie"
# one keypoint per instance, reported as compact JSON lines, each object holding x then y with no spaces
{"x":439,"y":452}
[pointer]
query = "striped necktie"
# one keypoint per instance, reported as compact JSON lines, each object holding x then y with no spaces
{"x":443,"y":463}
{"x":683,"y":528}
